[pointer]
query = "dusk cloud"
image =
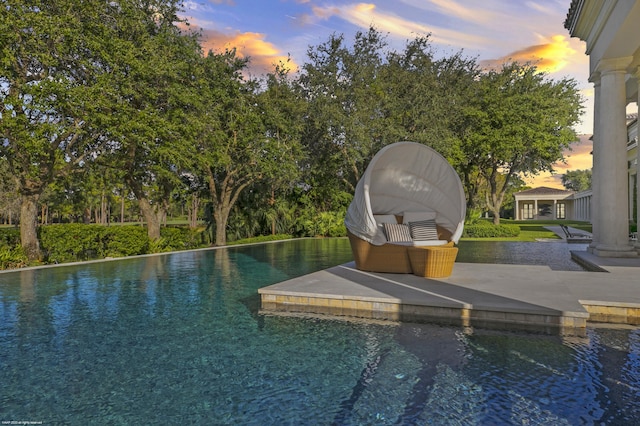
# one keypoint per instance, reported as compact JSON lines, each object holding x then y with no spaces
{"x":262,"y":54}
{"x":552,"y":56}
{"x":364,"y":15}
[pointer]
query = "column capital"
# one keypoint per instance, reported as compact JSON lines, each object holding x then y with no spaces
{"x":606,"y":66}
{"x":595,"y":78}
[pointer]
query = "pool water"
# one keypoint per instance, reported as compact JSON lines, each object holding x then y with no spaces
{"x":554,"y":254}
{"x":179,"y":339}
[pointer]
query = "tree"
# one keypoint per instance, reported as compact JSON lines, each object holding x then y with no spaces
{"x":151,"y":129}
{"x":283,"y":111}
{"x":363,"y":96}
{"x":50,"y":93}
{"x":248,"y":133}
{"x":425,"y":95}
{"x":80,"y":82}
{"x":344,"y":125}
{"x":519,"y":122}
{"x":577,"y":180}
{"x":9,"y":199}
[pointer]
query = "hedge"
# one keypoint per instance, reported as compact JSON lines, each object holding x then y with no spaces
{"x":481,"y":230}
{"x":76,"y":242}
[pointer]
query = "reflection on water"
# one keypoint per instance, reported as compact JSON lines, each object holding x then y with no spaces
{"x":177,"y":338}
{"x":556,"y":255}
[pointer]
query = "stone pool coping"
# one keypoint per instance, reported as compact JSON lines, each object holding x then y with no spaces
{"x":519,"y":297}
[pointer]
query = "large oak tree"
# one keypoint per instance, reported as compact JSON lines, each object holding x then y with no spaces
{"x":249,"y":133}
{"x":518,"y":122}
{"x":50,"y":94}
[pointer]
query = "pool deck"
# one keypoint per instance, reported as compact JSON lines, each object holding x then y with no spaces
{"x":516,"y":297}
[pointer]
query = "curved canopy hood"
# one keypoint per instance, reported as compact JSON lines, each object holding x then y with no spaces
{"x":406,"y":177}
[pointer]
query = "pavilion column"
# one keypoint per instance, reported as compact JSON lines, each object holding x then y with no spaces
{"x":612,"y":196}
{"x":631,"y":178}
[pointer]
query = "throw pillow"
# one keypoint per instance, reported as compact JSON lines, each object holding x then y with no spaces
{"x":424,"y":230}
{"x":397,"y":232}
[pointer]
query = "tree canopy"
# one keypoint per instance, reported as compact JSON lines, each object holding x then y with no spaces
{"x":518,"y":123}
{"x":577,"y":180}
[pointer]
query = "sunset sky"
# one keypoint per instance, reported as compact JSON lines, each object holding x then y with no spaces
{"x":268,"y":31}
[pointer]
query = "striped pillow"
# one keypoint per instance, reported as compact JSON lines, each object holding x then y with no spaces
{"x":397,"y":232}
{"x":424,"y":230}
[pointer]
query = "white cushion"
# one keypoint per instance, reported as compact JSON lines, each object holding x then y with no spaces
{"x":425,"y":243}
{"x":420,"y":243}
{"x":418,"y":216}
{"x":385,"y":218}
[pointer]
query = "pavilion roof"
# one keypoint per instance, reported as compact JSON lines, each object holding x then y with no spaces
{"x":544,"y":190}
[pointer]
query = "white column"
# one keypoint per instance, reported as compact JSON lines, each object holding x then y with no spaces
{"x":595,"y":172}
{"x":637,"y":76}
{"x":613,"y":211}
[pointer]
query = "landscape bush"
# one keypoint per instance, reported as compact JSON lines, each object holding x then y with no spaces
{"x":77,"y":242}
{"x":12,"y":257}
{"x":9,"y":237}
{"x":486,"y":230}
{"x":70,"y":242}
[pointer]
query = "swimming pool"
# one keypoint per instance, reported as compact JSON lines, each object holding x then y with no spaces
{"x":177,"y":338}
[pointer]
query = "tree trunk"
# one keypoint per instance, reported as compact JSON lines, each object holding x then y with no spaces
{"x":122,"y":210}
{"x":103,"y":209}
{"x":29,"y":226}
{"x":193,"y":211}
{"x":272,"y":203}
{"x":152,"y":217}
{"x":221,"y":216}
{"x":43,"y":214}
{"x":494,"y":203}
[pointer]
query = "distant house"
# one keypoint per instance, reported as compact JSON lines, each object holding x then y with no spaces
{"x":551,"y":203}
{"x":543,"y":203}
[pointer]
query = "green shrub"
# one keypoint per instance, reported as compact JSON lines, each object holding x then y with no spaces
{"x":70,"y":242}
{"x":11,"y":258}
{"x":120,"y":241}
{"x":485,"y":230}
{"x":331,"y":224}
{"x":9,"y":237}
{"x":180,"y":238}
{"x":261,"y":239}
{"x":474,"y":216}
{"x":321,"y":224}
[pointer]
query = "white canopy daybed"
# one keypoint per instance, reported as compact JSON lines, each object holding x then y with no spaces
{"x":405,"y":189}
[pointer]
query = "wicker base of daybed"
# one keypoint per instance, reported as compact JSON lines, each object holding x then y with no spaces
{"x":433,"y":262}
{"x":428,"y":261}
{"x":390,"y":258}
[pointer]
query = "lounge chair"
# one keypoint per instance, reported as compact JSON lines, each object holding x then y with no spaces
{"x":572,"y":237}
{"x":409,"y":203}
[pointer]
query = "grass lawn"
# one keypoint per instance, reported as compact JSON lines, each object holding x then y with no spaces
{"x":531,"y":230}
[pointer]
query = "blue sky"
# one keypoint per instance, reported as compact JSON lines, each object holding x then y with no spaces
{"x":492,"y":31}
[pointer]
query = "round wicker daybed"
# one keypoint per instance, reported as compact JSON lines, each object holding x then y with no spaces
{"x":406,"y":188}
